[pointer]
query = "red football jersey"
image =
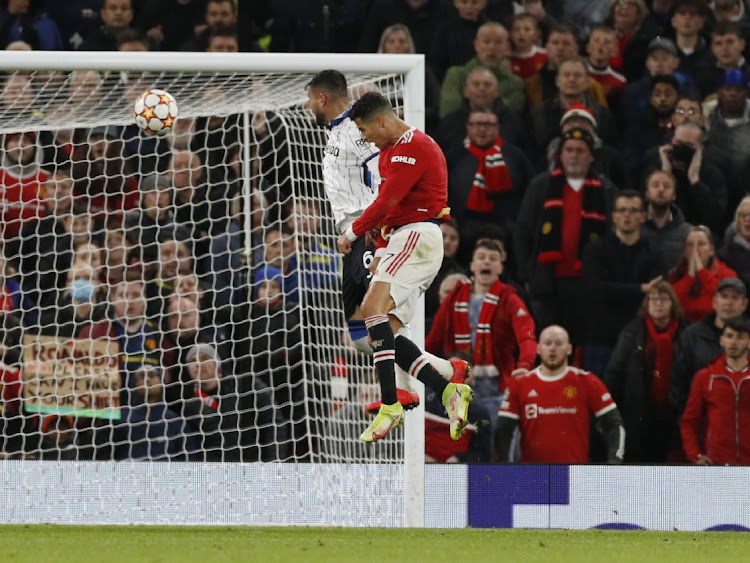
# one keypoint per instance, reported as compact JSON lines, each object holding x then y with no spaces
{"x":414,"y":185}
{"x":611,"y":81}
{"x":524,"y":66}
{"x":554,"y":414}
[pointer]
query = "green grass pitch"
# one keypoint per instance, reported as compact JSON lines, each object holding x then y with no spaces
{"x":131,"y":544}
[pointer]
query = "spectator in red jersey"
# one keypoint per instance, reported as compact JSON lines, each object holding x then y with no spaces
{"x":486,"y":318}
{"x":600,"y":48}
{"x":716,"y":424}
{"x":697,"y":277}
{"x":639,"y":372}
{"x":528,"y":57}
{"x":553,"y":405}
{"x":561,"y":45}
{"x":21,"y":181}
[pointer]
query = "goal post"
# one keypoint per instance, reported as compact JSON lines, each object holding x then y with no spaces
{"x":200,"y":226}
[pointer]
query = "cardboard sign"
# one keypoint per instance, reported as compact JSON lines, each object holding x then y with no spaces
{"x":71,"y":376}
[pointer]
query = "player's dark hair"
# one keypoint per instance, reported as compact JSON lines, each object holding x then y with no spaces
{"x":740,"y":323}
{"x":332,"y":81}
{"x":370,"y":105}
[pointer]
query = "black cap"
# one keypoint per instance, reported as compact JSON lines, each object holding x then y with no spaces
{"x":662,"y":43}
{"x":734,"y":283}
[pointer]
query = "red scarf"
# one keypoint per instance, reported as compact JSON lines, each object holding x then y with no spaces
{"x":6,"y":300}
{"x":491,"y":178}
{"x":664,"y":342}
{"x":483,"y":348}
{"x":205,"y":398}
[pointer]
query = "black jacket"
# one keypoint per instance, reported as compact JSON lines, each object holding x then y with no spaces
{"x":613,"y":273}
{"x":698,"y":346}
{"x":648,"y":434}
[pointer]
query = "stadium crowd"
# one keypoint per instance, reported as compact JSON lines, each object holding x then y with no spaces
{"x":598,"y":155}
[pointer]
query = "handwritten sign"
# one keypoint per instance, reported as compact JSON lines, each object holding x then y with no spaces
{"x":71,"y":376}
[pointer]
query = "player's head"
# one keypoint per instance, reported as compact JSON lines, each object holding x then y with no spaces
{"x":554,"y":347}
{"x":735,"y":338}
{"x":372,"y":113}
{"x":327,"y":92}
{"x":486,"y":263}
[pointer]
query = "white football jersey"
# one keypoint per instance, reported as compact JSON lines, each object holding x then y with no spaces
{"x":350,"y":171}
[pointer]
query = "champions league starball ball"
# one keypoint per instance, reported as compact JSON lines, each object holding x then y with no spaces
{"x":155,"y":112}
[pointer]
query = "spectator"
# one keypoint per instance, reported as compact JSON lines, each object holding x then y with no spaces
{"x":585,"y":14}
{"x":169,"y":24}
{"x":735,"y":252}
{"x":699,"y":344}
{"x":486,"y":319}
{"x":278,"y":249}
{"x":486,"y":177}
{"x":688,"y":109}
{"x":608,"y":161}
{"x":451,"y":241}
{"x":481,"y":91}
{"x":653,"y":127}
{"x":634,"y":30}
{"x":665,"y":223}
{"x":422,"y":17}
{"x":492,"y":48}
{"x":103,"y":179}
{"x":150,"y":431}
{"x":132,"y":41}
{"x":76,"y":19}
{"x":618,"y":270}
{"x":83,"y":302}
{"x":639,"y":372}
{"x":452,"y":39}
{"x":727,"y":46}
{"x":688,"y":19}
{"x":299,"y":26}
{"x":120,"y":260}
{"x":572,"y":80}
{"x":222,"y":40}
{"x":662,"y":59}
{"x":18,"y":22}
{"x":551,"y":234}
{"x":729,"y":126}
{"x":698,"y":274}
{"x":601,"y":48}
{"x":701,"y":188}
{"x":714,"y":425}
{"x":42,"y":253}
{"x":554,"y":421}
{"x":175,"y":257}
{"x":139,"y":339}
{"x":116,"y":16}
{"x":210,"y":407}
{"x":561,"y":45}
{"x":154,"y":217}
{"x":21,"y":181}
{"x":527,"y":57}
{"x":219,"y":14}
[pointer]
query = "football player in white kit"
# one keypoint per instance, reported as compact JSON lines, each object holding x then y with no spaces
{"x":351,"y":178}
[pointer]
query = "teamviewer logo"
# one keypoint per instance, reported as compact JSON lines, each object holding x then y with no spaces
{"x":531,"y":411}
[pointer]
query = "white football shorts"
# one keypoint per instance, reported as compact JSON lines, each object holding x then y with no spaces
{"x":410,"y":263}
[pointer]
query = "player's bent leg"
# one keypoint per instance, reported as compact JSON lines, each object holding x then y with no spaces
{"x":375,"y":307}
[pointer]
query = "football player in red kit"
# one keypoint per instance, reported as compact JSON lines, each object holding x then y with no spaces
{"x":553,"y":405}
{"x":411,"y":202}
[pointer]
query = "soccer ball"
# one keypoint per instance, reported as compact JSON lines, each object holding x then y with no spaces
{"x":155,"y":112}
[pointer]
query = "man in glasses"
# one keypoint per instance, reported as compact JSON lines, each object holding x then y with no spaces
{"x":618,"y":270}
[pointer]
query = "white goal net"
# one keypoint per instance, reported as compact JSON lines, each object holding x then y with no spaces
{"x":177,"y":298}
